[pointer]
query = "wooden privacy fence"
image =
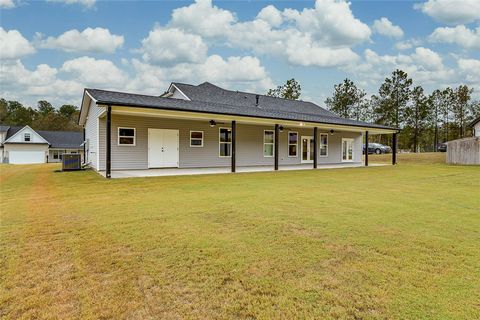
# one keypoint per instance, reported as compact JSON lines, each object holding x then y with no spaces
{"x":464,"y":151}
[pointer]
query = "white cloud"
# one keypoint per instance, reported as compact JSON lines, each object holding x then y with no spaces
{"x":386,"y":28}
{"x":407,"y":44}
{"x":7,"y":4}
{"x":95,"y":72}
{"x":13,"y":45}
{"x":28,"y":86}
{"x":470,"y":69}
{"x":330,"y":22}
{"x":202,"y":18}
{"x":320,"y":36}
{"x":233,"y":72}
{"x":459,"y":35}
{"x":97,"y":40}
{"x":63,"y":85}
{"x":427,"y":59}
{"x":271,"y":15}
{"x":451,"y":11}
{"x":245,"y":70}
{"x":301,"y":50}
{"x":424,"y":66}
{"x":170,"y":45}
{"x":86,"y":3}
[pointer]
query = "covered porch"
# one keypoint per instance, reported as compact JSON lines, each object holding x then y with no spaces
{"x":216,"y":143}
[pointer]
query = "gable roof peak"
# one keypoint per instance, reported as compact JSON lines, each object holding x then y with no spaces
{"x":21,"y":130}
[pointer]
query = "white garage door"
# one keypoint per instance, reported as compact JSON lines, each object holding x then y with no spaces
{"x":26,"y":157}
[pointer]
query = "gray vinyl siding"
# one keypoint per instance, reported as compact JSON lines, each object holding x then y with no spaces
{"x":67,"y":151}
{"x":91,"y":133}
{"x":249,"y":144}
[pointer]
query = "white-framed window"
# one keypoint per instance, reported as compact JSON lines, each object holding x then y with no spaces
{"x":196,"y":139}
{"x":323,"y":145}
{"x":26,"y":137}
{"x":292,"y":144}
{"x":57,"y":154}
{"x":268,"y":143}
{"x":126,"y":136}
{"x":224,"y":142}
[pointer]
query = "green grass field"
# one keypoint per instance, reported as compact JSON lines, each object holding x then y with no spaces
{"x":387,"y":242}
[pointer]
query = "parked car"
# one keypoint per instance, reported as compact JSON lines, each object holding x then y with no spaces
{"x":442,"y":147}
{"x":377,"y":148}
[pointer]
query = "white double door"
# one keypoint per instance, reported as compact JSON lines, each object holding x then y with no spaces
{"x":163,"y":147}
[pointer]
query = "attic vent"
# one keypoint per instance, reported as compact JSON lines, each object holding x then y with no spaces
{"x":257,"y":97}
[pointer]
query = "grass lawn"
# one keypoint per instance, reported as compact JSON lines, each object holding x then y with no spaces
{"x":363,"y":243}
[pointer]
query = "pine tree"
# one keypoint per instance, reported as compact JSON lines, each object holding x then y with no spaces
{"x":290,"y":90}
{"x":348,"y":101}
{"x":394,"y":95}
{"x":417,"y":115}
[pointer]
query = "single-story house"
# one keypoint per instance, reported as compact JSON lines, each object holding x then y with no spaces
{"x":205,"y":126}
{"x":465,"y":151}
{"x":23,"y":145}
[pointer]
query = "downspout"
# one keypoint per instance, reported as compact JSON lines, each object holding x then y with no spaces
{"x":84,"y":149}
{"x":109,"y":142}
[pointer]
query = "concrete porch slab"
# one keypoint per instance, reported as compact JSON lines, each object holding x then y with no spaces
{"x":195,"y":171}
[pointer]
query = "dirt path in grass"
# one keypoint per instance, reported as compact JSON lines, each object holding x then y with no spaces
{"x":57,"y":263}
{"x":41,"y":280}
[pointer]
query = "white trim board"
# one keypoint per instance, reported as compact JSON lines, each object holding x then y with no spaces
{"x":26,"y":142}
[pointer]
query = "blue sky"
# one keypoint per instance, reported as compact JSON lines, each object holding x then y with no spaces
{"x":53,"y":49}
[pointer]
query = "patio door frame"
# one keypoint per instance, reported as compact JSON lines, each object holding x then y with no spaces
{"x":351,"y":142}
{"x":164,"y":145}
{"x":309,"y":151}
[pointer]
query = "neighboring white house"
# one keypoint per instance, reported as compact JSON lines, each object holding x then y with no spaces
{"x":476,"y":127}
{"x":205,"y":126}
{"x":23,"y":145}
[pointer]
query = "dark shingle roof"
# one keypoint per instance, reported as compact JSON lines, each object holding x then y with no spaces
{"x":208,"y":92}
{"x":12,"y":130}
{"x":56,"y":139}
{"x":230,"y":103}
{"x":63,"y":139}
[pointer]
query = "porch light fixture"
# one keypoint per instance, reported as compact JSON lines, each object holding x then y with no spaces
{"x":280,"y":128}
{"x":331,"y":132}
{"x":212,"y":123}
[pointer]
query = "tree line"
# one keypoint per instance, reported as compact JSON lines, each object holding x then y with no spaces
{"x":44,"y":117}
{"x":425,"y":120}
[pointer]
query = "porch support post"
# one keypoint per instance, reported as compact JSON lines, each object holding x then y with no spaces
{"x":109,"y":142}
{"x":394,"y":149}
{"x":277,"y":133}
{"x":315,"y":147}
{"x":234,"y":145}
{"x":366,"y":148}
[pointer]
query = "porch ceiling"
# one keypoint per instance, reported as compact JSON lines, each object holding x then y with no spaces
{"x":150,"y":112}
